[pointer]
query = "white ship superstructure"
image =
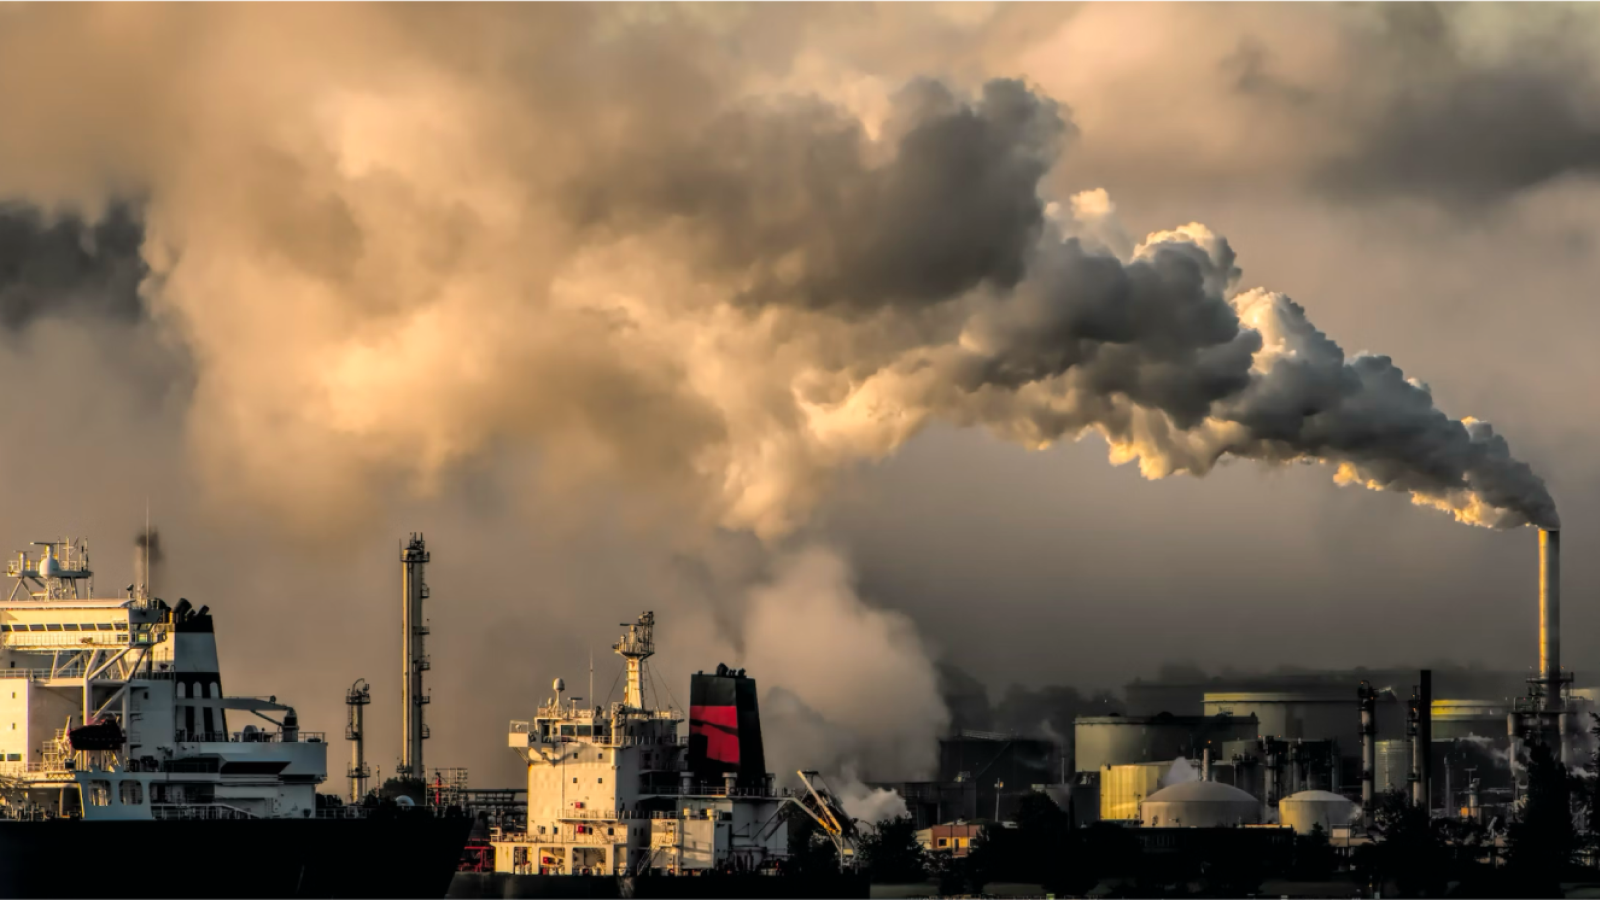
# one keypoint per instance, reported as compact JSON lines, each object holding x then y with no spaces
{"x":112,"y":708}
{"x":612,"y":791}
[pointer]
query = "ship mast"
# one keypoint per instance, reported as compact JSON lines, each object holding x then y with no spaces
{"x":637,"y":646}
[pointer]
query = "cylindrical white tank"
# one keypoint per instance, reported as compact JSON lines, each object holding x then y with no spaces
{"x":1199,"y":804}
{"x":1308,"y":809}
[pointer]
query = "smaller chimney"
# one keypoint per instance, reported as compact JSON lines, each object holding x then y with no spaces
{"x":1369,"y":748}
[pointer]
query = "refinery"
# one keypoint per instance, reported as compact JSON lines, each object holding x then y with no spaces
{"x":799,"y":450}
{"x":1304,"y":781}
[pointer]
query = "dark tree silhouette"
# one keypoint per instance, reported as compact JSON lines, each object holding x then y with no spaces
{"x":890,"y":853}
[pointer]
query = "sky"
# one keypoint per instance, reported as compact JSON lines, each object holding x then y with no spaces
{"x":851,"y":339}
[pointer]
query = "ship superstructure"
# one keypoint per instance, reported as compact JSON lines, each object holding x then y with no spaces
{"x":620,"y":789}
{"x":111,"y":708}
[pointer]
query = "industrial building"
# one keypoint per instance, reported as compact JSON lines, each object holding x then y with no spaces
{"x":982,"y":776}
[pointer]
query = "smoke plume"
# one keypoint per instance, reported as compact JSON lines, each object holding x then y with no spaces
{"x":729,"y":302}
{"x":707,"y":258}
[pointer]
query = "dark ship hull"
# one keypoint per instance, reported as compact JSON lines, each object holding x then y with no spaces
{"x":412,"y":855}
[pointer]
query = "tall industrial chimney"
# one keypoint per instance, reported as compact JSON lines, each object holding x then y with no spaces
{"x":1425,"y":739}
{"x":1550,"y":614}
{"x":414,"y":590}
{"x":1369,"y":748}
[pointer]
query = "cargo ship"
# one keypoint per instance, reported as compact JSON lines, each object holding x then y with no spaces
{"x":622,"y":802}
{"x":116,"y":737}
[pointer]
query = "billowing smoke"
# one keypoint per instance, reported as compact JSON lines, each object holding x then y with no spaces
{"x":654,"y":247}
{"x":844,"y":684}
{"x":1181,"y":772}
{"x":679,"y":276}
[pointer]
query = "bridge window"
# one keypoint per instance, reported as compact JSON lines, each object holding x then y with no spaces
{"x":106,"y":626}
{"x":35,"y":627}
{"x":13,"y":757}
{"x":99,"y":793}
{"x":132,"y":793}
{"x":52,"y":627}
{"x":122,"y":626}
{"x":70,"y":627}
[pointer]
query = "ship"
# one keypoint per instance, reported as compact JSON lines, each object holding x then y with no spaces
{"x":117,"y":741}
{"x":622,"y":802}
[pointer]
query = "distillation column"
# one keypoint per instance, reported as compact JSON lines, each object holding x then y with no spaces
{"x":1369,"y":749}
{"x":414,"y":590}
{"x":355,"y":732}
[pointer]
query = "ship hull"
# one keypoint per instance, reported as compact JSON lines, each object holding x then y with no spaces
{"x":500,"y":885}
{"x":410,"y":856}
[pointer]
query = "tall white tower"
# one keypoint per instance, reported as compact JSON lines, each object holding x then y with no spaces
{"x":356,"y":732}
{"x":637,"y":646}
{"x":414,"y":590}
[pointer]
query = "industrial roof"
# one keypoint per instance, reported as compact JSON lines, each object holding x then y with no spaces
{"x":1317,"y":797}
{"x":1200,"y":792}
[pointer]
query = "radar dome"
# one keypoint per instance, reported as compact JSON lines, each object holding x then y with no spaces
{"x":560,"y":685}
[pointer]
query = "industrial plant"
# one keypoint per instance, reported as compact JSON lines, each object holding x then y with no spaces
{"x":1265,"y":770}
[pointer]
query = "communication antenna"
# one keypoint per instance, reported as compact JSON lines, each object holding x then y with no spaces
{"x":148,"y":588}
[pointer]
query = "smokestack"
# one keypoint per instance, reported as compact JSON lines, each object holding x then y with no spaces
{"x":1369,"y":748}
{"x":1550,"y":615}
{"x":1422,"y":743}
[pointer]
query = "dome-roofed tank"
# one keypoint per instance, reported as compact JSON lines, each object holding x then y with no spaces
{"x":1308,"y":809}
{"x":1199,"y":804}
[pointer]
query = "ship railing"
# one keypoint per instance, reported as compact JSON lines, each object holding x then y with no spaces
{"x":604,"y":815}
{"x":77,"y":671}
{"x":209,"y":812}
{"x":343,"y":812}
{"x":561,"y":837}
{"x":607,"y":740}
{"x":29,"y":639}
{"x":34,"y":768}
{"x":250,"y":737}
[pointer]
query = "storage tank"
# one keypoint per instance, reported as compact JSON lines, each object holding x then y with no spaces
{"x":1100,"y":741}
{"x":1312,"y":714}
{"x":1308,"y":809}
{"x":1123,"y":788}
{"x":1457,"y":719}
{"x":1394,"y":766}
{"x":1199,"y":804}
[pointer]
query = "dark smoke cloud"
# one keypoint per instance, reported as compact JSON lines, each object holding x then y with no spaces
{"x":788,"y":195}
{"x":1457,"y":122}
{"x":1475,"y":136}
{"x":64,"y":265}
